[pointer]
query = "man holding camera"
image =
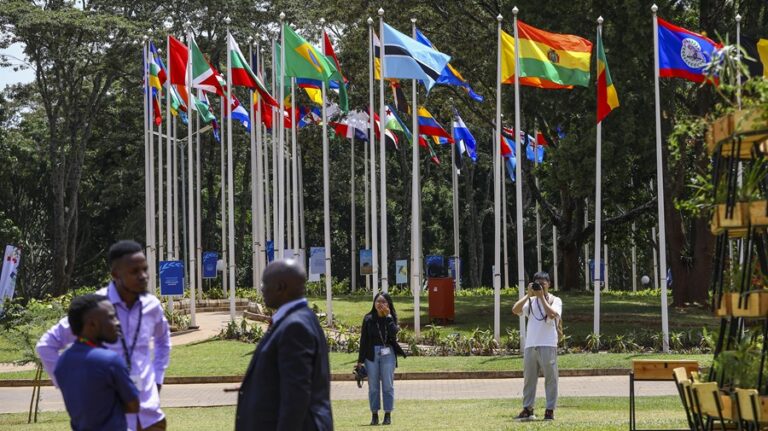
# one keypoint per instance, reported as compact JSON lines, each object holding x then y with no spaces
{"x":543,"y":311}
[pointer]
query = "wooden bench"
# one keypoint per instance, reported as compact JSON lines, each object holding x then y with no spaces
{"x":654,"y":370}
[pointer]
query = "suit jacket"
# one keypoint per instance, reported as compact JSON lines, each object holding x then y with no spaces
{"x":288,"y":382}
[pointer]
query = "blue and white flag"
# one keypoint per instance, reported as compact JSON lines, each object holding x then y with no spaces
{"x":539,"y":158}
{"x":240,"y":114}
{"x":408,"y":59}
{"x":449,"y":76}
{"x":463,"y":138}
{"x":511,"y":163}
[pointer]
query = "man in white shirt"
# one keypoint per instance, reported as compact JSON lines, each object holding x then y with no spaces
{"x":543,"y":310}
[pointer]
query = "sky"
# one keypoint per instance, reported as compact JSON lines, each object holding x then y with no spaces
{"x":7,"y":74}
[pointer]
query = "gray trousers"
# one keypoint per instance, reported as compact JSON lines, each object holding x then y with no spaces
{"x":544,"y":359}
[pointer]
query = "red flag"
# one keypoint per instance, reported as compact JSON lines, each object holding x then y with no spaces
{"x":266,"y":115}
{"x":328,"y":50}
{"x":179,"y":56}
{"x":541,"y":140}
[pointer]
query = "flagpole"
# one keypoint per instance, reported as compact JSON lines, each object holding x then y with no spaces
{"x":738,"y":59}
{"x":654,"y":243}
{"x":367,"y":212}
{"x":660,"y":186}
{"x":151,"y":241}
{"x":160,"y":191}
{"x":634,"y":259}
{"x":416,"y":249}
{"x":455,"y":187}
{"x":276,"y":124}
{"x":255,"y":217}
{"x":222,"y":132}
{"x":598,"y":211}
{"x":302,"y":238}
{"x":586,"y":246}
{"x":280,"y":245}
{"x":176,"y":249}
{"x":605,"y":260}
{"x":353,"y":204}
{"x":198,"y":213}
{"x":519,"y":181}
{"x":554,"y":253}
{"x":538,"y":215}
{"x":190,"y":185}
{"x":230,"y":183}
{"x":260,"y":177}
{"x":294,"y":171}
{"x":372,"y":141}
{"x":326,"y":198}
{"x":170,"y":179}
{"x":147,"y":137}
{"x":505,"y":236}
{"x":383,"y":163}
{"x":497,"y":192}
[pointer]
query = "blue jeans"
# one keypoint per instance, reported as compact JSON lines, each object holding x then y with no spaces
{"x":381,"y":377}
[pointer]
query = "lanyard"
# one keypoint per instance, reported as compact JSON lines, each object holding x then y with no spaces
{"x":538,"y":305}
{"x":384,"y":336}
{"x":87,"y":342}
{"x":129,"y":353}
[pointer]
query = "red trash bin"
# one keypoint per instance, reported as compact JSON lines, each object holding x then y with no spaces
{"x":441,"y":299}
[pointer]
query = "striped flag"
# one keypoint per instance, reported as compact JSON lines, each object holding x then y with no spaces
{"x":607,"y":99}
{"x":408,"y":59}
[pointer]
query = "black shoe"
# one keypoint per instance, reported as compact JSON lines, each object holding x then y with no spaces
{"x":387,"y":419}
{"x":374,"y":419}
{"x":526,"y":415}
{"x":549,"y":415}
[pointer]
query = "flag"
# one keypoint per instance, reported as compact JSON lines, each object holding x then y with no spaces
{"x":266,"y":113}
{"x":313,"y":88}
{"x":155,"y":85}
{"x":241,"y":72}
{"x":330,"y":52}
{"x":683,"y":53}
{"x":401,"y":102}
{"x":547,"y":60}
{"x":302,"y":60}
{"x":179,"y":56}
{"x":214,"y":124}
{"x":162,"y":76}
{"x":203,"y":75}
{"x":534,"y":153}
{"x":511,"y":163}
{"x":355,"y":124}
{"x":449,"y":76}
{"x":507,"y":142}
{"x":429,"y":126}
{"x":607,"y":99}
{"x":541,"y":140}
{"x":408,"y":59}
{"x":376,"y":57}
{"x":392,"y":122}
{"x":757,"y":49}
{"x":466,"y":143}
{"x":239,"y":113}
{"x":388,"y":135}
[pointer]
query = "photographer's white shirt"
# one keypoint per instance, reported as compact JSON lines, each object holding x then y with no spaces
{"x":541,"y":331}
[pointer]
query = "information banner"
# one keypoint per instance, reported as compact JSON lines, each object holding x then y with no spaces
{"x":317,"y":260}
{"x":210,"y":258}
{"x":401,"y":271}
{"x":8,"y":275}
{"x":452,"y":267}
{"x":366,"y":261}
{"x":171,"y":277}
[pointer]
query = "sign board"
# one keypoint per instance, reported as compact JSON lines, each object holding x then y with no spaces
{"x":317,"y":260}
{"x":270,"y":251}
{"x":10,"y":270}
{"x":366,"y":261}
{"x":210,"y":259}
{"x":452,"y":267}
{"x":171,"y":277}
{"x":592,"y":270}
{"x":401,"y":271}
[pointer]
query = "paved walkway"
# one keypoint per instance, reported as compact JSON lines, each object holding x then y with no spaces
{"x":14,"y":400}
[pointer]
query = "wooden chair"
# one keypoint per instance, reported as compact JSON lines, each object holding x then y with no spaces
{"x":748,"y":409}
{"x":706,"y":398}
{"x":683,"y":384}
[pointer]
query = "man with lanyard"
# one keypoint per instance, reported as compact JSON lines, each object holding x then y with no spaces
{"x":142,"y":321}
{"x":542,"y":309}
{"x":94,"y":381}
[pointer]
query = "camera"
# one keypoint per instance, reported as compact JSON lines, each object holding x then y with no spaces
{"x":535,"y":286}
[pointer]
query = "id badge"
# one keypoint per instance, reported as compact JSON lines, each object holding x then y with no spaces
{"x":136,"y":379}
{"x":385,"y":351}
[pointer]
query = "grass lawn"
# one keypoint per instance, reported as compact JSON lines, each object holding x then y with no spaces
{"x":619,"y":314}
{"x":573,"y":414}
{"x":225,"y":358}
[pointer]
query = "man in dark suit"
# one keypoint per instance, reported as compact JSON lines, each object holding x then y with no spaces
{"x":287,"y":385}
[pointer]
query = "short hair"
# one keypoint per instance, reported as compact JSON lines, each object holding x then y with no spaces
{"x":122,"y":248}
{"x":541,"y":275}
{"x":79,"y":307}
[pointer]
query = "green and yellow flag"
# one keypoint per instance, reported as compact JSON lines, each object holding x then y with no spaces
{"x":607,"y":99}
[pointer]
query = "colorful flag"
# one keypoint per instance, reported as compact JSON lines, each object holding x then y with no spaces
{"x":449,"y":76}
{"x":547,"y":60}
{"x":534,"y":153}
{"x":607,"y":100}
{"x":401,"y":102}
{"x":330,"y":52}
{"x":511,"y":163}
{"x":683,"y":53}
{"x":239,"y":113}
{"x":242,"y":75}
{"x":388,"y":135}
{"x":757,"y":49}
{"x":466,"y":143}
{"x":313,"y":88}
{"x":408,"y":59}
{"x":302,"y":60}
{"x":541,"y":140}
{"x":203,"y":75}
{"x":179,"y":56}
{"x":429,"y":126}
{"x":507,"y":146}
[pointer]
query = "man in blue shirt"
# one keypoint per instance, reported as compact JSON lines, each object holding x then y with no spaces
{"x":94,"y":381}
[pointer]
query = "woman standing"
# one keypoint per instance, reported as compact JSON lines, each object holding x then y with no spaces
{"x":378,"y":350}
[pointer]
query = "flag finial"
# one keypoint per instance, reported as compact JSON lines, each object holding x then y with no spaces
{"x":515,"y":10}
{"x":188,"y":24}
{"x":499,"y":18}
{"x":282,"y":16}
{"x":322,"y":21}
{"x":168,"y":23}
{"x":145,"y":38}
{"x":381,"y":11}
{"x":738,"y":18}
{"x":654,"y":8}
{"x":413,"y":20}
{"x":370,"y":21}
{"x":600,"y":20}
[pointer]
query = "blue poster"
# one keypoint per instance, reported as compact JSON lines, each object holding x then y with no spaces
{"x":592,"y":270}
{"x":366,"y":261}
{"x":452,"y":267}
{"x":317,"y":260}
{"x":401,"y":271}
{"x":209,"y":264}
{"x":270,"y":251}
{"x":171,"y":277}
